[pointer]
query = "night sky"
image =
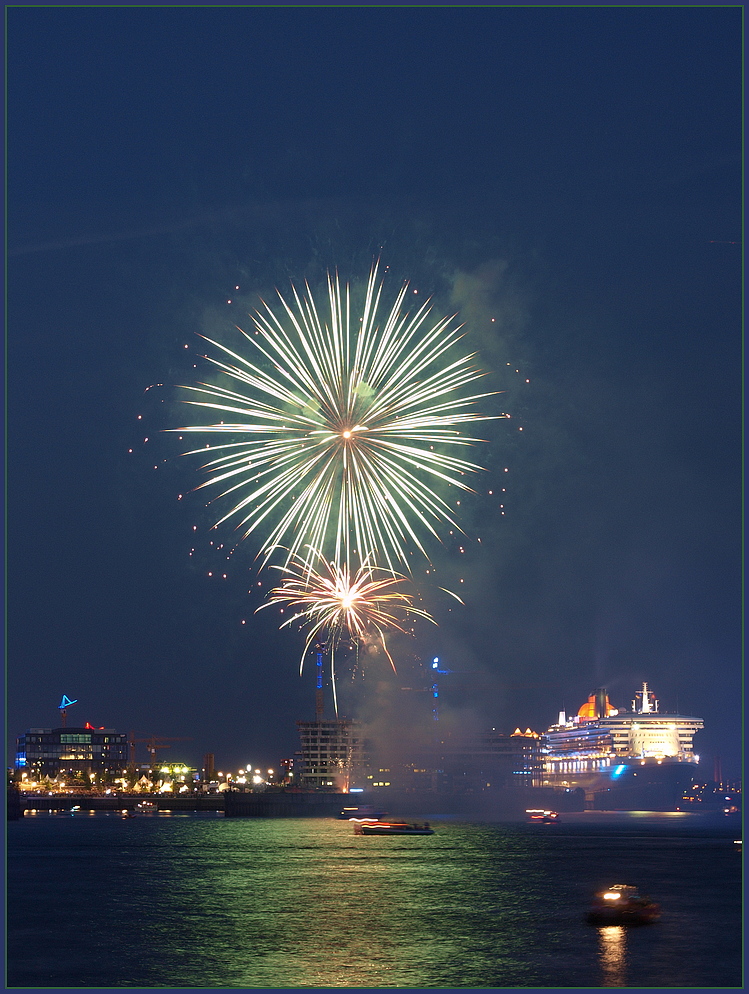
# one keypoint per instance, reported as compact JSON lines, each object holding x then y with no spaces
{"x":568,"y":179}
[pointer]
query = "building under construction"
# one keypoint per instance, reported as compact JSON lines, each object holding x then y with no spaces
{"x":330,"y":751}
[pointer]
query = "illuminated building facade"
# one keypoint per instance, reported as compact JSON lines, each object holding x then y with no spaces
{"x":52,"y":751}
{"x":330,"y":750}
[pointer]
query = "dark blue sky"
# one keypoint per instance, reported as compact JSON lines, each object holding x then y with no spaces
{"x":574,"y":173}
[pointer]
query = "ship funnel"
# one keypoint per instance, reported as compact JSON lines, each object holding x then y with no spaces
{"x":601,"y":702}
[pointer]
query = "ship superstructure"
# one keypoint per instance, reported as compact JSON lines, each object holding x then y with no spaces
{"x":602,"y":747}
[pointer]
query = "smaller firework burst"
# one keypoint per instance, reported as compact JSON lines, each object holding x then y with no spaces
{"x":332,"y":603}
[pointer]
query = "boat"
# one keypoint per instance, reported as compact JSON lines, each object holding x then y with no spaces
{"x":622,"y":904}
{"x":542,"y":815}
{"x":146,"y":807}
{"x":391,"y":828}
{"x":638,"y":759}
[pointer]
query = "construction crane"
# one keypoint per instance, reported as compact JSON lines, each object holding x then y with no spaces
{"x":63,"y":706}
{"x":153,"y":743}
{"x":319,"y":701}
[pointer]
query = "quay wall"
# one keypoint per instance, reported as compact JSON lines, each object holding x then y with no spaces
{"x":121,"y":802}
{"x":313,"y":804}
{"x":234,"y":803}
{"x":291,"y":804}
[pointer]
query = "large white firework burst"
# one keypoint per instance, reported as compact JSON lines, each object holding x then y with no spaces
{"x":340,"y":426}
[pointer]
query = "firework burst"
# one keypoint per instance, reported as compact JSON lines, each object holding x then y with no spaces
{"x":340,"y":425}
{"x":361,"y":606}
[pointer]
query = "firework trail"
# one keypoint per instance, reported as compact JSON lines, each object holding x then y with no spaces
{"x":339,"y":423}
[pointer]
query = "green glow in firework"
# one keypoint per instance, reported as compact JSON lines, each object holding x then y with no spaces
{"x":339,"y":426}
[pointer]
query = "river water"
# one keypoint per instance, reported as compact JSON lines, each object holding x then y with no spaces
{"x":197,"y":900}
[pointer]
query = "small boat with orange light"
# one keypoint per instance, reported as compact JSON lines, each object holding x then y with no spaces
{"x":391,"y":828}
{"x":622,"y":905}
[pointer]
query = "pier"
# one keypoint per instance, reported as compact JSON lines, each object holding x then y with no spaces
{"x":234,"y":803}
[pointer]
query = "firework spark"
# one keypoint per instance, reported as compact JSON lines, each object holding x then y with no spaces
{"x":341,"y":425}
{"x":331,"y":600}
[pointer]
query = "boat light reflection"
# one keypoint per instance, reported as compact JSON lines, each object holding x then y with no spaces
{"x":612,"y":955}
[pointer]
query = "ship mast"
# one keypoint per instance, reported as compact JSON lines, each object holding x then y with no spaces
{"x":645,"y":706}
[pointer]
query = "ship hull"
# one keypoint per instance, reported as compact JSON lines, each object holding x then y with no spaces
{"x":634,"y":785}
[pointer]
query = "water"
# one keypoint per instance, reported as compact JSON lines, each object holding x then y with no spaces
{"x":194,"y":900}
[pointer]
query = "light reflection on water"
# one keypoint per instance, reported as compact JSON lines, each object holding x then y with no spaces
{"x":321,"y":907}
{"x":191,"y":901}
{"x":612,"y":941}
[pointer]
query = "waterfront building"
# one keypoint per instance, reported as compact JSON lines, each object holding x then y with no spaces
{"x":208,"y":771}
{"x":51,"y":752}
{"x":486,"y":762}
{"x":491,"y":760}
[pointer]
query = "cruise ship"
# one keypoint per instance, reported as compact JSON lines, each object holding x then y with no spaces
{"x":629,"y":760}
